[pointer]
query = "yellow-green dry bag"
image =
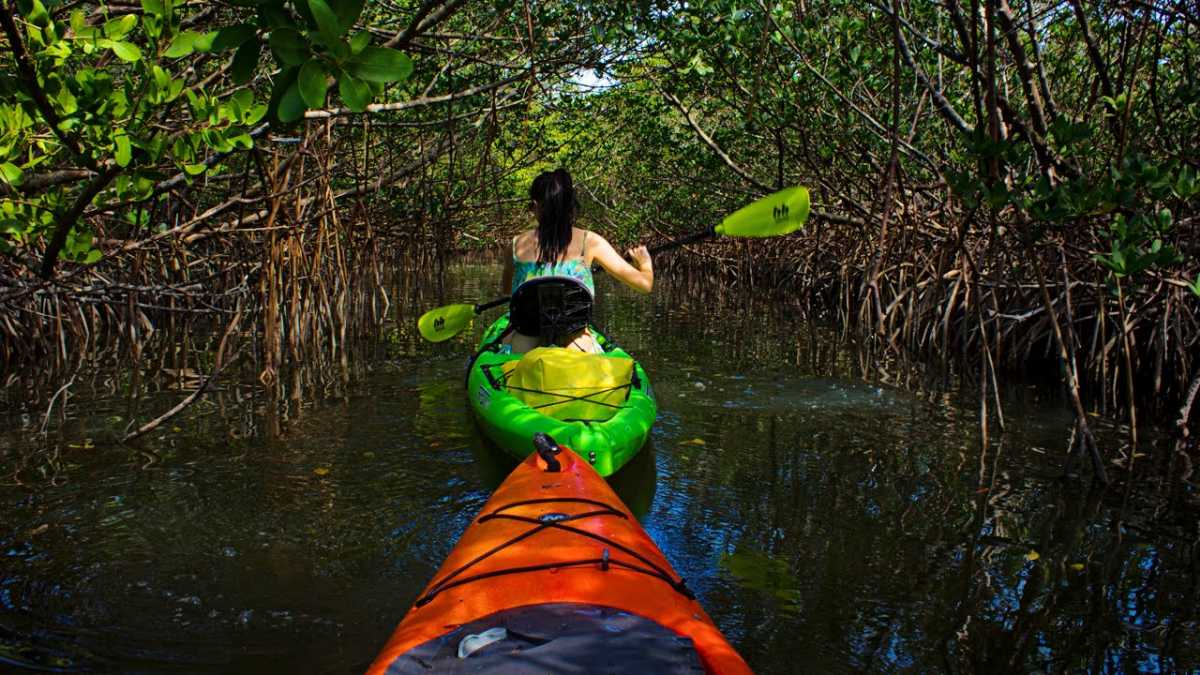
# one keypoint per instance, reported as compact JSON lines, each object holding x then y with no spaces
{"x":570,"y":385}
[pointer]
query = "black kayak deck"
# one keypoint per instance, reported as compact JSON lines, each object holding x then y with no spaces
{"x":566,"y":638}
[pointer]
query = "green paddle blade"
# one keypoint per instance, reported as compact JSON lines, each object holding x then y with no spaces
{"x":444,"y":323}
{"x":780,"y":213}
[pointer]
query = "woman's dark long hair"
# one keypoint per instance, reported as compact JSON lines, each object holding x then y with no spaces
{"x":555,"y":197}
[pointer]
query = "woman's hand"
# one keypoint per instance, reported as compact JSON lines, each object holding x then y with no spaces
{"x":640,"y":257}
{"x":638,"y":276}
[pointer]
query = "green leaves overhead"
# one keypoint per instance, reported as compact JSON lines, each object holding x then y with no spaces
{"x":317,"y":49}
{"x":123,"y":115}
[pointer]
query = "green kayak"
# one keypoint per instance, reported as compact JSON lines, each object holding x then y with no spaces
{"x":510,"y":415}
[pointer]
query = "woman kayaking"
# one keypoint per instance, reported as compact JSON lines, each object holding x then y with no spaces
{"x":558,"y":257}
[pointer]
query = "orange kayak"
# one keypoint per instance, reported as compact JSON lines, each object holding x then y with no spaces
{"x":556,"y":576}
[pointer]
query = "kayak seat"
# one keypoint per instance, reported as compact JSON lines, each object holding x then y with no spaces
{"x":551,"y":308}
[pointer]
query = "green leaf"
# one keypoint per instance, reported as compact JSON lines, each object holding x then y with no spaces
{"x":216,"y":140}
{"x":124,"y":153}
{"x":360,"y":40}
{"x":255,"y":114}
{"x":243,"y":141}
{"x":380,"y":64}
{"x":289,"y":46}
{"x":327,"y":21}
{"x":340,"y":50}
{"x":66,"y":101}
{"x":119,"y":28}
{"x":291,"y":104}
{"x":240,"y":102}
{"x":11,"y":173}
{"x":161,"y":79}
{"x":182,"y":44}
{"x":1164,"y":220}
{"x":126,"y":51}
{"x":92,"y":256}
{"x":153,"y":146}
{"x":154,"y":7}
{"x":194,"y":169}
{"x":698,"y":65}
{"x":312,"y":82}
{"x":204,"y":41}
{"x":279,"y":87}
{"x":274,"y":16}
{"x":233,"y":36}
{"x":354,"y":92}
{"x":1185,"y":184}
{"x":245,"y":61}
{"x":35,"y":12}
{"x":79,"y":26}
{"x":348,"y":12}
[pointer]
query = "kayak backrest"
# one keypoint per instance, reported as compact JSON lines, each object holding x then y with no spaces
{"x":551,"y":307}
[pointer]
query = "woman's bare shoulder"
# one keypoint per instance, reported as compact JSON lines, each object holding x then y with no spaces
{"x":595,"y":237}
{"x":525,"y":244}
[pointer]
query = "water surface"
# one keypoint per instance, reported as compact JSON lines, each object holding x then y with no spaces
{"x":828,"y":521}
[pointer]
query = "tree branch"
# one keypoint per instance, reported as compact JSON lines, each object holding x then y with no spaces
{"x":415,"y":103}
{"x":734,"y":166}
{"x":67,"y":219}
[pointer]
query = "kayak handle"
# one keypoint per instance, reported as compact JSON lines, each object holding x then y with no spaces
{"x":547,"y":449}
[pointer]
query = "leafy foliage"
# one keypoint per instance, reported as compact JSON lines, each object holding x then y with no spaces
{"x":147,"y":92}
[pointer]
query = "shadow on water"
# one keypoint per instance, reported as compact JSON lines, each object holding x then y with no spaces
{"x":832,"y":511}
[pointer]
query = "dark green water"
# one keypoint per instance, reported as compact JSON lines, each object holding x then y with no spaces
{"x":827,"y":522}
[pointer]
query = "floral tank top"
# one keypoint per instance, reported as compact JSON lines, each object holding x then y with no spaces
{"x":575,"y":268}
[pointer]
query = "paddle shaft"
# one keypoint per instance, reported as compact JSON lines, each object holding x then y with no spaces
{"x":479,"y":309}
{"x":674,"y":243}
{"x":685,"y":239}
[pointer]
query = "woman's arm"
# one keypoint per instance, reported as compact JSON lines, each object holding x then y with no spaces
{"x":640,"y":278}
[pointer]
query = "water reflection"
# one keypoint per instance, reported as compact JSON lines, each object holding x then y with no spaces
{"x":828,"y":517}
